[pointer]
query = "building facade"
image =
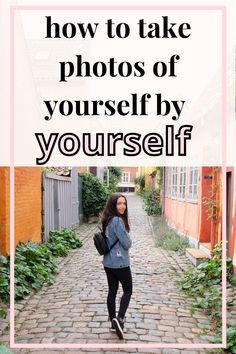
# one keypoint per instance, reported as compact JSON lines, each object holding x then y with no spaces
{"x":28,"y":206}
{"x":192,"y":204}
{"x":231,"y":214}
{"x":127,"y":181}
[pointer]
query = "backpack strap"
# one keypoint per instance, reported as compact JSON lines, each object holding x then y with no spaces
{"x":114,"y":244}
{"x":109,"y":219}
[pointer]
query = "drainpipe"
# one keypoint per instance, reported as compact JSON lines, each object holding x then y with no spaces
{"x":163,"y":191}
{"x":214,"y":219}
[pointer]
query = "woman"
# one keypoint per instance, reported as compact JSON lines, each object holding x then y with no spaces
{"x":116,"y":263}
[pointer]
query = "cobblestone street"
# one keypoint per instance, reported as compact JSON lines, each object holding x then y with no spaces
{"x":73,"y":309}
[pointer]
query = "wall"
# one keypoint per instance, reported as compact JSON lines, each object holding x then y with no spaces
{"x":146,"y":172}
{"x":191,"y":217}
{"x":183,"y":216}
{"x":4,"y":210}
{"x":28,"y":204}
{"x":232,"y":218}
{"x":133,"y":172}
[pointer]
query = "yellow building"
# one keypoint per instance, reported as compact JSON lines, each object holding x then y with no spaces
{"x":151,"y":176}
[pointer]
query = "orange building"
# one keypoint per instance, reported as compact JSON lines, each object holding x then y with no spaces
{"x":127,"y":180}
{"x":192,"y":204}
{"x":4,"y":209}
{"x":231,"y":215}
{"x":28,"y":206}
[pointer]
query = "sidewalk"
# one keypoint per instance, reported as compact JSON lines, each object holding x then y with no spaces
{"x":73,"y":309}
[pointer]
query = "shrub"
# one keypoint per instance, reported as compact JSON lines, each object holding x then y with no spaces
{"x":95,"y":195}
{"x":231,"y":340}
{"x":203,"y":283}
{"x":4,"y":279}
{"x":115,"y":171}
{"x":60,"y":242}
{"x":3,"y":313}
{"x":35,"y":263}
{"x":140,"y":181}
{"x":152,"y":201}
{"x":114,"y":176}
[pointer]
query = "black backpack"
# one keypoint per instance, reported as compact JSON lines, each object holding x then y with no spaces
{"x":101,"y":244}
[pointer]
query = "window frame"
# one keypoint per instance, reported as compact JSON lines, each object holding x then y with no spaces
{"x":193,"y":184}
{"x":182,"y":183}
{"x":127,"y":174}
{"x":174,"y":182}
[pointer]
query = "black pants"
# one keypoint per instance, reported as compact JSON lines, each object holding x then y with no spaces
{"x":114,"y":276}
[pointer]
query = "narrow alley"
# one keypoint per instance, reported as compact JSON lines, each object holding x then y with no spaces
{"x":73,"y":309}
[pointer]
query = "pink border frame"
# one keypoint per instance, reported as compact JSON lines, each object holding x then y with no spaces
{"x":138,"y":345}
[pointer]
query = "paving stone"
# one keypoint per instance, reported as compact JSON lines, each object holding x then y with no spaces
{"x":168,"y":339}
{"x":146,"y":325}
{"x":65,"y":324}
{"x":185,"y":324}
{"x":170,"y":317}
{"x":73,"y":309}
{"x":149,"y":338}
{"x":189,"y":351}
{"x":62,"y":319}
{"x":93,"y":324}
{"x":174,"y":334}
{"x":169,"y":323}
{"x":150,"y":351}
{"x":165,"y":328}
{"x":38,"y":330}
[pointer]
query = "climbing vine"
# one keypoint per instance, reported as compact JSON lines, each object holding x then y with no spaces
{"x":210,"y":202}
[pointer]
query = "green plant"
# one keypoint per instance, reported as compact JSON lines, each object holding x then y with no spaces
{"x":5,"y":350}
{"x":212,"y":207}
{"x":171,"y":241}
{"x":140,"y":181}
{"x":60,"y":242}
{"x":211,"y":203}
{"x":114,"y":176}
{"x":35,"y":263}
{"x":203,"y":283}
{"x":34,"y":266}
{"x":115,"y":171}
{"x":3,"y":313}
{"x":231,"y":340}
{"x":166,"y":237}
{"x":232,"y":279}
{"x":152,"y":201}
{"x":4,"y":278}
{"x":95,"y":195}
{"x":160,"y":171}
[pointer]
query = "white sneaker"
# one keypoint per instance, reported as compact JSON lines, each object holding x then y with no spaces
{"x":118,"y":324}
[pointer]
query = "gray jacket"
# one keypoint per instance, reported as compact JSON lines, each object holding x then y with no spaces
{"x":118,"y":257}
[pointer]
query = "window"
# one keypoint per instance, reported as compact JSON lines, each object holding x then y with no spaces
{"x":182,"y":182}
{"x":125,"y":177}
{"x":174,"y":181}
{"x":193,"y":183}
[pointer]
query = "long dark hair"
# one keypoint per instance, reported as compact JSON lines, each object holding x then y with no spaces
{"x":111,"y":210}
